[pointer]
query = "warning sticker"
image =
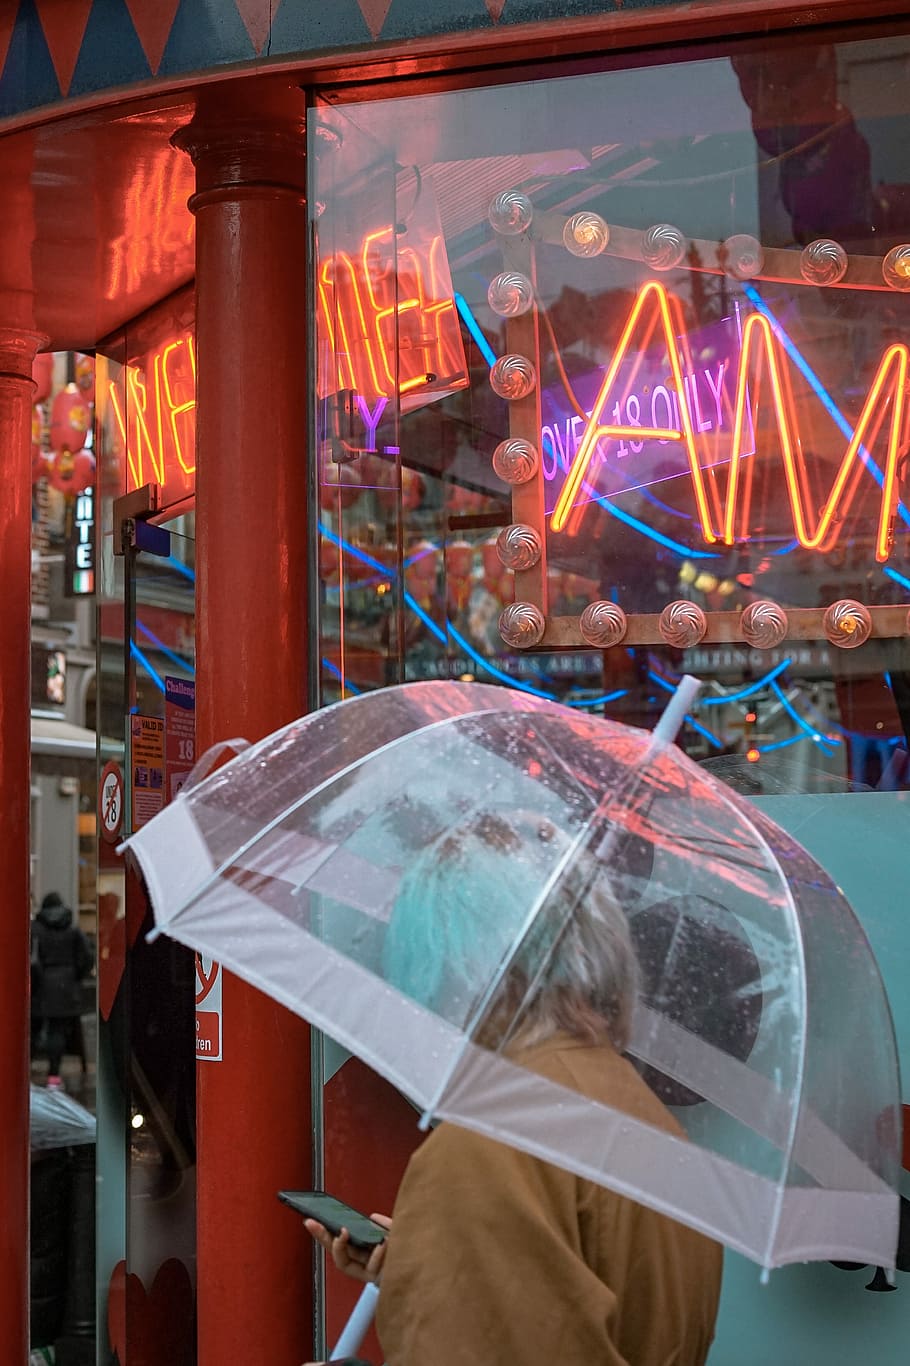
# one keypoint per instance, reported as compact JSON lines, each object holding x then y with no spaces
{"x":146,"y":767}
{"x":208,"y":1009}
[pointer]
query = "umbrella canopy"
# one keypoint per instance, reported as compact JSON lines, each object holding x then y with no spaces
{"x":416,"y":870}
{"x":58,"y":1121}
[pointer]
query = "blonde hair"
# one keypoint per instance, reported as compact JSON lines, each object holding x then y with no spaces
{"x":576,"y":972}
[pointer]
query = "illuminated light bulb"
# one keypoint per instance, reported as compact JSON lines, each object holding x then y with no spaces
{"x":742,"y":256}
{"x":687,"y":572}
{"x":847,"y":624}
{"x":513,"y":377}
{"x":896,"y":267}
{"x":764,"y":624}
{"x":511,"y":213}
{"x":510,"y":294}
{"x":726,"y":587}
{"x":663,"y":247}
{"x":753,"y":754}
{"x":823,"y":262}
{"x":585,"y":234}
{"x":522,"y":625}
{"x":682,"y":624}
{"x":705,"y":582}
{"x":518,"y":546}
{"x":603,"y":624}
{"x":515,"y":460}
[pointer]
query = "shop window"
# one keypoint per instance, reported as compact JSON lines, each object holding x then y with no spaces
{"x":679,"y":437}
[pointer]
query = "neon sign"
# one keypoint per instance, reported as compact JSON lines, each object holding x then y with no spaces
{"x":388,"y":315}
{"x":154,"y":406}
{"x":656,"y":310}
{"x":80,"y":547}
{"x":649,"y":400}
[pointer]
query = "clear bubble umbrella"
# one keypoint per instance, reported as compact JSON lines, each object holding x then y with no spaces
{"x":404,"y":870}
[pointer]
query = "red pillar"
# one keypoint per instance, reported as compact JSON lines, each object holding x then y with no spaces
{"x":17,"y":351}
{"x":251,"y":526}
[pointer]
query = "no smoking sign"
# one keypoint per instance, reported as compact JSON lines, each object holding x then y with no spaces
{"x":208,"y":1009}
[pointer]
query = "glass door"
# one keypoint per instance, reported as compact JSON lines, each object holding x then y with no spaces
{"x":146,"y":992}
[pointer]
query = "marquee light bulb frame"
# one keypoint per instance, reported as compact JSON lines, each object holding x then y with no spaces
{"x":656,"y":309}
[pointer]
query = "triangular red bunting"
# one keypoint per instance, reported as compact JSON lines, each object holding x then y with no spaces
{"x":257,"y":16}
{"x":495,"y":9}
{"x":153,"y":21}
{"x":7,"y":24}
{"x":64,"y":24}
{"x":374,"y":12}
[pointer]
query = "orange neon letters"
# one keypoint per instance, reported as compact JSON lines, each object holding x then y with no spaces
{"x":595,"y":431}
{"x":154,"y":407}
{"x":389,"y":317}
{"x":888,"y":387}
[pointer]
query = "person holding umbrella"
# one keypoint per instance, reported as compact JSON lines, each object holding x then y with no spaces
{"x":498,"y":1256}
{"x":429,"y":874}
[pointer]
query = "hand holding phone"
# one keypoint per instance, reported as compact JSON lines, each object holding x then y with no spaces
{"x":329,"y":1222}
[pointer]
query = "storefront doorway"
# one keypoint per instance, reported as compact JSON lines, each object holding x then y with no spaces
{"x":146,"y":992}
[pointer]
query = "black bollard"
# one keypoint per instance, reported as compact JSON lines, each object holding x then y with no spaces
{"x":50,"y":1178}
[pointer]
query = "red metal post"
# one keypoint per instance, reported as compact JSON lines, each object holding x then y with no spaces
{"x":18,"y":345}
{"x":17,"y":351}
{"x":253,"y":1108}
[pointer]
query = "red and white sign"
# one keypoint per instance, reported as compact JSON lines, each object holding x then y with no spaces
{"x":110,"y":802}
{"x":208,"y":1009}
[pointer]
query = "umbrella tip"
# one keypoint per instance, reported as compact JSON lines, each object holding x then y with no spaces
{"x":670,"y":723}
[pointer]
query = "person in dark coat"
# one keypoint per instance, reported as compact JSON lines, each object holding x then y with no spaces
{"x":61,"y":958}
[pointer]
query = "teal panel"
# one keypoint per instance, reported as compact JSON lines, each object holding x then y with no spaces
{"x":818,"y":1315}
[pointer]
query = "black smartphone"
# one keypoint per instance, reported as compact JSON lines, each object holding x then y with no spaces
{"x":335,"y":1215}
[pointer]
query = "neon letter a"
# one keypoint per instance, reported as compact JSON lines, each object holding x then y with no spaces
{"x":655,"y":295}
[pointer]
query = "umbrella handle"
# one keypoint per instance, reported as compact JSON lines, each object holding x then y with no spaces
{"x":207,"y":761}
{"x":670,"y":723}
{"x":358,"y":1325}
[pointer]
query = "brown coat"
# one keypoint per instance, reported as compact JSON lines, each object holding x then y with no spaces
{"x":500,"y":1259}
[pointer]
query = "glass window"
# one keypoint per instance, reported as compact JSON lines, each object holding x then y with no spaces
{"x":628,"y":347}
